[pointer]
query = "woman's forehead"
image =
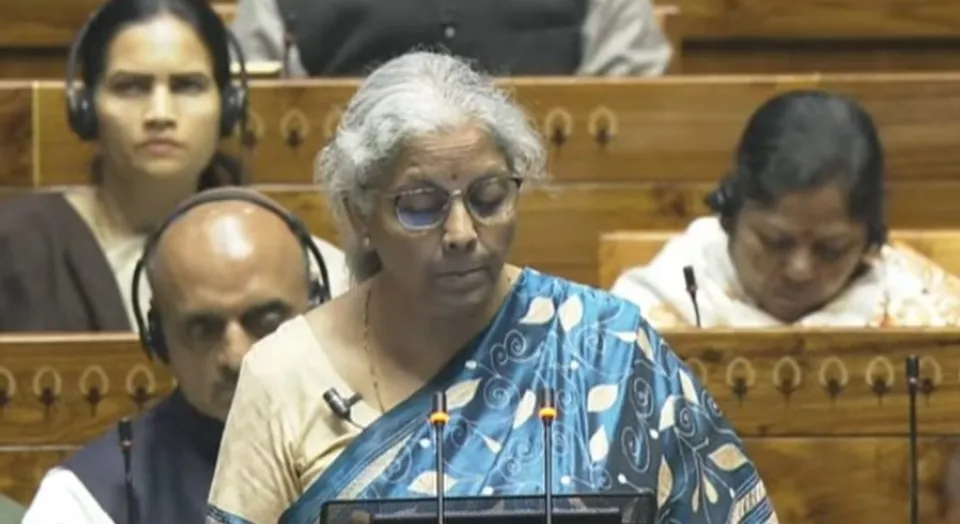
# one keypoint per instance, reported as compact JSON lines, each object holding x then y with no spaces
{"x":163,"y":44}
{"x":456,"y":156}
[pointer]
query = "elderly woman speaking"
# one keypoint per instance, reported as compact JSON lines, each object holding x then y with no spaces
{"x":425,"y":173}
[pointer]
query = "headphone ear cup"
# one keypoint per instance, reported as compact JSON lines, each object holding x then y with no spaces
{"x":318,"y":293}
{"x":82,"y":115}
{"x":234,"y":106}
{"x":158,"y":343}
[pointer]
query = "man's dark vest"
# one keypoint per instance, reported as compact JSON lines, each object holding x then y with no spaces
{"x":503,"y":37}
{"x":174,"y":453}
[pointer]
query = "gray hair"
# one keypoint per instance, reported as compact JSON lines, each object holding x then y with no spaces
{"x":412,"y":95}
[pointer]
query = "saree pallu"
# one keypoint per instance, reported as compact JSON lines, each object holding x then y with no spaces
{"x":632,"y":419}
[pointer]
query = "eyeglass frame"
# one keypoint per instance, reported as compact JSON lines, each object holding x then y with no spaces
{"x":451,"y":195}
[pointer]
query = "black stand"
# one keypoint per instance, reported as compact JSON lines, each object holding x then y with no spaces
{"x":634,"y":508}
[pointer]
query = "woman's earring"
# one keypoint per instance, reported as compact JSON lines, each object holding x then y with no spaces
{"x":365,"y":242}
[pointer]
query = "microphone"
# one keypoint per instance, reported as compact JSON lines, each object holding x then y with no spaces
{"x":125,"y":433}
{"x":691,"y":281}
{"x":548,"y":413}
{"x":341,"y":407}
{"x":438,"y":419}
{"x":913,"y":382}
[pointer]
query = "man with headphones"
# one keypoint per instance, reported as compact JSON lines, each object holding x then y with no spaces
{"x":226,"y":269}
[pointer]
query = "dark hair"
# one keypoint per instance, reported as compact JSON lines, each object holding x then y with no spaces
{"x":117,"y":15}
{"x":804,"y":140}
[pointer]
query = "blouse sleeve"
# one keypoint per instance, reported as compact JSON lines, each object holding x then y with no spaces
{"x":705,"y":474}
{"x":621,"y":38}
{"x":255,"y":479}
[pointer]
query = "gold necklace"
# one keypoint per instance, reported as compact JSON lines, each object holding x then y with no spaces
{"x":366,"y":348}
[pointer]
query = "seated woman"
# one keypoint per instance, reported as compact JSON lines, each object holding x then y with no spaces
{"x":508,"y":37}
{"x":799,"y":237}
{"x":425,"y":174}
{"x":158,"y":105}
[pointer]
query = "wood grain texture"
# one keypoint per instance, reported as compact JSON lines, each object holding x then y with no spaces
{"x":819,"y":19}
{"x":668,"y":129}
{"x":21,"y":470}
{"x":786,"y":387}
{"x":810,"y":480}
{"x":47,"y":384}
{"x":42,"y":23}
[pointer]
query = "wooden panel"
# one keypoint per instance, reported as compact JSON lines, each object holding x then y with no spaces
{"x":48,"y":382}
{"x":820,"y":19}
{"x":622,"y":250}
{"x":811,"y":481}
{"x":825,"y":382}
{"x":21,"y":470}
{"x":42,"y":23}
{"x":856,"y":480}
{"x":67,"y":389}
{"x":796,"y":57}
{"x":676,"y":129}
{"x":16,"y":134}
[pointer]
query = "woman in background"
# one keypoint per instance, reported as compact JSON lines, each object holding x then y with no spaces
{"x":504,"y":37}
{"x":160,"y":100}
{"x":799,"y":236}
{"x":425,"y":174}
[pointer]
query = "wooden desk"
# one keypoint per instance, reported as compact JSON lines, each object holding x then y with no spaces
{"x":823,"y":413}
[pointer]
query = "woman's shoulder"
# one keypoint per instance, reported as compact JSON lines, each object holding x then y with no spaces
{"x":276,"y":357}
{"x":300,"y":347}
{"x":27,"y":210}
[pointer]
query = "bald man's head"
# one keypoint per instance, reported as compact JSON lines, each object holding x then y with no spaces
{"x":223,"y":275}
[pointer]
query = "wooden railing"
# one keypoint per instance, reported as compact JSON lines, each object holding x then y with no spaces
{"x":823,"y":413}
{"x":628,"y":154}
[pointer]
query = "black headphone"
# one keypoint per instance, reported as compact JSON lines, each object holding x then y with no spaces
{"x":150,"y":328}
{"x":81,"y":106}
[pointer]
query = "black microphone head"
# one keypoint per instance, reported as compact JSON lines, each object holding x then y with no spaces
{"x":913,"y":366}
{"x":548,"y":398}
{"x":689,"y":278}
{"x":336,"y":403}
{"x":440,"y":402}
{"x":125,"y":431}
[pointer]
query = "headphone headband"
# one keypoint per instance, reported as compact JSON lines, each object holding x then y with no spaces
{"x":149,"y":338}
{"x":81,"y":111}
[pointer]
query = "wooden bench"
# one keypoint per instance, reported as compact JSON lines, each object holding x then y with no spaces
{"x":823,"y":413}
{"x":622,"y":250}
{"x":35,"y":35}
{"x":766,"y":36}
{"x":670,"y":141}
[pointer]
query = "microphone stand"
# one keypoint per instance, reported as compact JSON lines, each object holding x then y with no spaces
{"x":548,"y":413}
{"x":913,"y":382}
{"x":125,"y":434}
{"x":438,"y":419}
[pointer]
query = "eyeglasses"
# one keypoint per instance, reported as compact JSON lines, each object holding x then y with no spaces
{"x":487,"y":199}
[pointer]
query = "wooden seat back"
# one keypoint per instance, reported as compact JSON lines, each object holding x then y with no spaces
{"x":793,"y":36}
